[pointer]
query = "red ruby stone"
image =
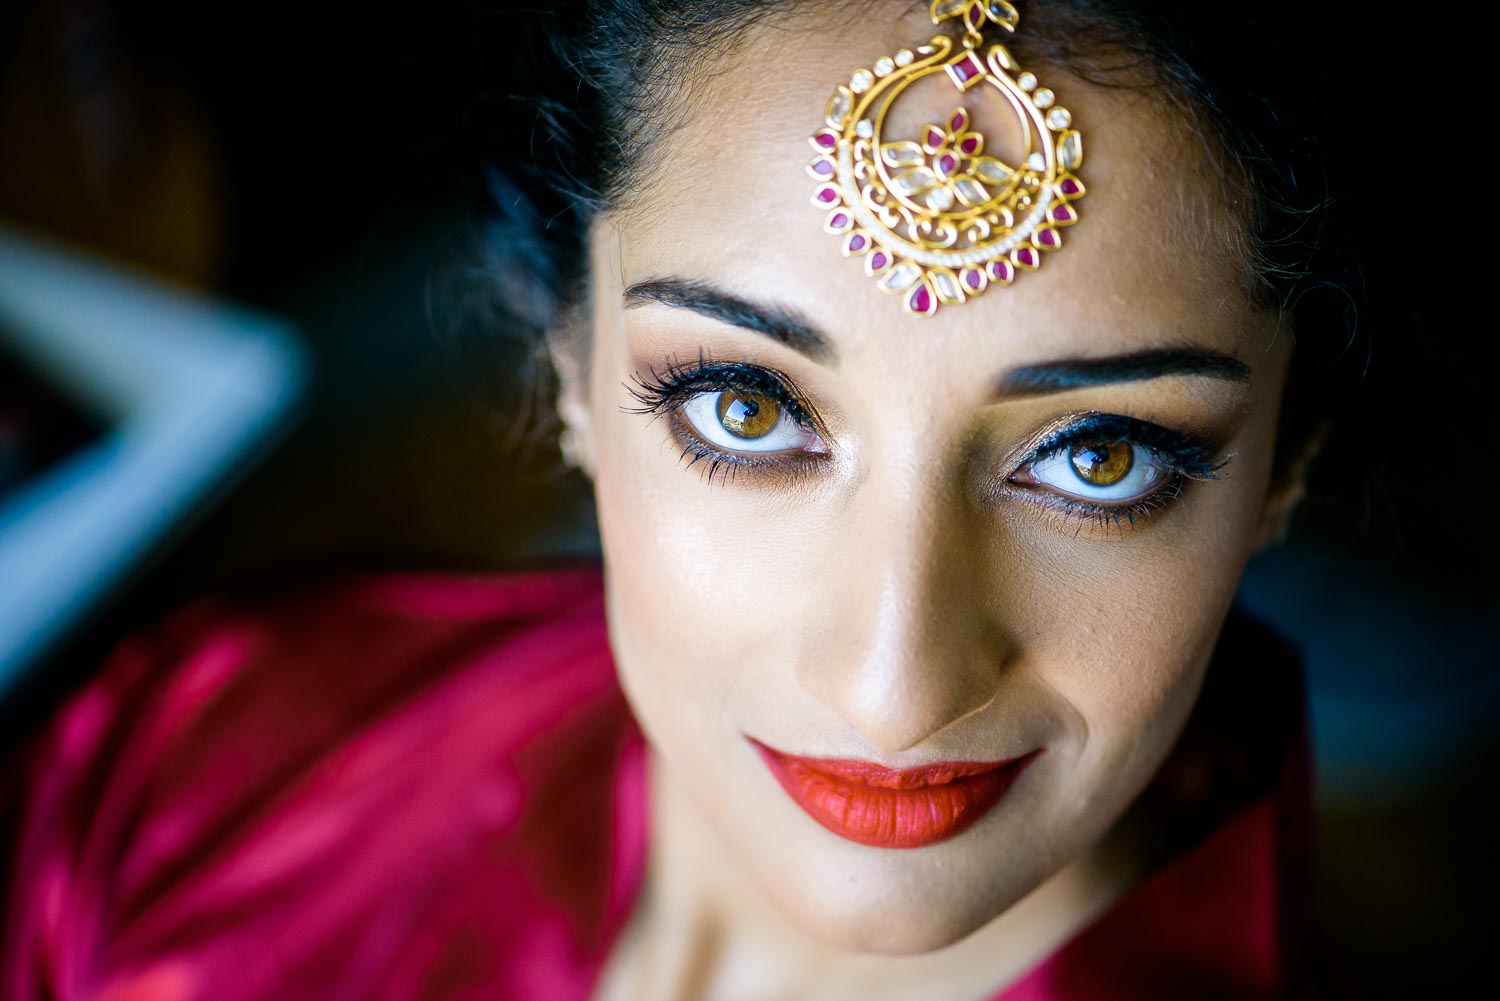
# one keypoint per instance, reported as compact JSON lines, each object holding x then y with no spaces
{"x":857,"y":243}
{"x":976,"y":16}
{"x":966,"y":68}
{"x":934,"y":138}
{"x":1064,"y":213}
{"x":1069,"y":186}
{"x":1049,"y":238}
{"x":827,"y":195}
{"x":969,"y":145}
{"x":946,"y":164}
{"x":971,"y":279}
{"x":878,"y":260}
{"x":921,"y":299}
{"x":958,"y":121}
{"x":1027,"y":256}
{"x":826,"y":139}
{"x":1002,"y":271}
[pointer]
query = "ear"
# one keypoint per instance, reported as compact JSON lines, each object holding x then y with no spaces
{"x":570,"y":347}
{"x":567,"y":347}
{"x":1289,"y":490}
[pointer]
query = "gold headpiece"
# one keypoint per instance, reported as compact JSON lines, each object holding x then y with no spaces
{"x":936,"y":219}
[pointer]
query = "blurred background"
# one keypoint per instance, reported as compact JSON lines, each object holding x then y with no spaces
{"x":239,"y":307}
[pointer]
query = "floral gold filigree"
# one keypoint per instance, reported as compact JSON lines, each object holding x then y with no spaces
{"x":933,"y":217}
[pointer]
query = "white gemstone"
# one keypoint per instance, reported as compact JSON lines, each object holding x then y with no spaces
{"x":912,"y":181}
{"x":904,"y":57}
{"x":926,"y":50}
{"x":864,"y":128}
{"x":940,"y":199}
{"x":991,"y":170}
{"x":1059,"y":118}
{"x":839,"y":106}
{"x":860,"y":82}
{"x":971,"y":191}
{"x":1027,"y":81}
{"x":1070,"y":151}
{"x":1043,"y":97}
{"x":1036,"y":161}
{"x":903,"y":276}
{"x":902,"y":155}
{"x":947,"y":287}
{"x":883,"y":66}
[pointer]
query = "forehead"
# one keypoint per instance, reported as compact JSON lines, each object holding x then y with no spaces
{"x":726,"y":199}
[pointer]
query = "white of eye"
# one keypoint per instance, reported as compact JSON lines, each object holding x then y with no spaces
{"x":1056,"y":470}
{"x":702,"y":412}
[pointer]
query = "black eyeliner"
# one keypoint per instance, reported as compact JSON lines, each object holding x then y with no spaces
{"x":660,"y":391}
{"x":1187,"y":455}
{"x":664,"y":393}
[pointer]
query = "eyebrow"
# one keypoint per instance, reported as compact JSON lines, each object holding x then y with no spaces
{"x":787,"y":327}
{"x":783,"y":326}
{"x":1154,"y":363}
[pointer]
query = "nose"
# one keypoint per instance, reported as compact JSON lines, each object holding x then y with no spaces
{"x":912,"y":641}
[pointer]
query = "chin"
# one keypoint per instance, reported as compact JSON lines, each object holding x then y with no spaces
{"x":896,"y":929}
{"x":885,"y":908}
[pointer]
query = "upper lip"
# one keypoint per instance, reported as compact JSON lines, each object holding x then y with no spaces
{"x":881,"y":777}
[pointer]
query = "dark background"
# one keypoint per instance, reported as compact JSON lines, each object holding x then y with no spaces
{"x":325,"y":162}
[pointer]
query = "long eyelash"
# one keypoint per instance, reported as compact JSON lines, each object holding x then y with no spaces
{"x":1185,"y":454}
{"x":663,"y":392}
{"x":1185,"y":457}
{"x":1121,"y":517}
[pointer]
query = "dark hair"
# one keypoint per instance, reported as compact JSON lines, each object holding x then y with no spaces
{"x":593,"y":108}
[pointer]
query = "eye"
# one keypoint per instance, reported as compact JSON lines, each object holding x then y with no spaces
{"x":734,"y":417}
{"x":743,"y":420}
{"x":1099,"y":470}
{"x":1116,"y":467}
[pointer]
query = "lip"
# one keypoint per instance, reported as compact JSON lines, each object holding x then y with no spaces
{"x":890,"y":808}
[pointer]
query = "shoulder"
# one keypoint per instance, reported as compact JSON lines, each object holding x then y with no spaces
{"x":346,"y":757}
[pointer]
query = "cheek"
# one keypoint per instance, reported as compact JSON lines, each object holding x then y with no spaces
{"x":692,"y":574}
{"x":1130,"y":625}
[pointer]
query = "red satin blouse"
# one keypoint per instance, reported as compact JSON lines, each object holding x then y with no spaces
{"x":346,"y":792}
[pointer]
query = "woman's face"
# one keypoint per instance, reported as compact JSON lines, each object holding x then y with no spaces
{"x":844,"y":532}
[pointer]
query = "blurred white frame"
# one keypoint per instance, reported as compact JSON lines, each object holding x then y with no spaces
{"x":192,"y":391}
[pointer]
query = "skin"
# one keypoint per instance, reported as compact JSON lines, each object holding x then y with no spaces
{"x":902,"y":599}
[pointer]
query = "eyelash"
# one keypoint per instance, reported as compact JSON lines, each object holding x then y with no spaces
{"x":1184,"y":457}
{"x":663,"y":393}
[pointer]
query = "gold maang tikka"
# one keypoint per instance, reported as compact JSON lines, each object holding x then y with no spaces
{"x":936,"y":219}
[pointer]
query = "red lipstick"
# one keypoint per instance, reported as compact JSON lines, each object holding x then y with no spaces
{"x":887,"y":808}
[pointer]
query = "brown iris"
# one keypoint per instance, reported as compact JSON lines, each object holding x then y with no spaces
{"x":747,"y":415}
{"x":1102,"y":464}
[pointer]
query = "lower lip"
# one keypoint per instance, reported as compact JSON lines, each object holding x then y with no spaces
{"x":886,"y":808}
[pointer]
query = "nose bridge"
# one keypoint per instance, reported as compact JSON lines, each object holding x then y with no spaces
{"x":911,"y":646}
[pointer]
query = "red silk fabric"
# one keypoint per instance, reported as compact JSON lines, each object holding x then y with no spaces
{"x":350,"y":792}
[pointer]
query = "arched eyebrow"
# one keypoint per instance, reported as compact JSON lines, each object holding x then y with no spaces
{"x":1154,"y":363}
{"x":787,"y":327}
{"x":781,"y":325}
